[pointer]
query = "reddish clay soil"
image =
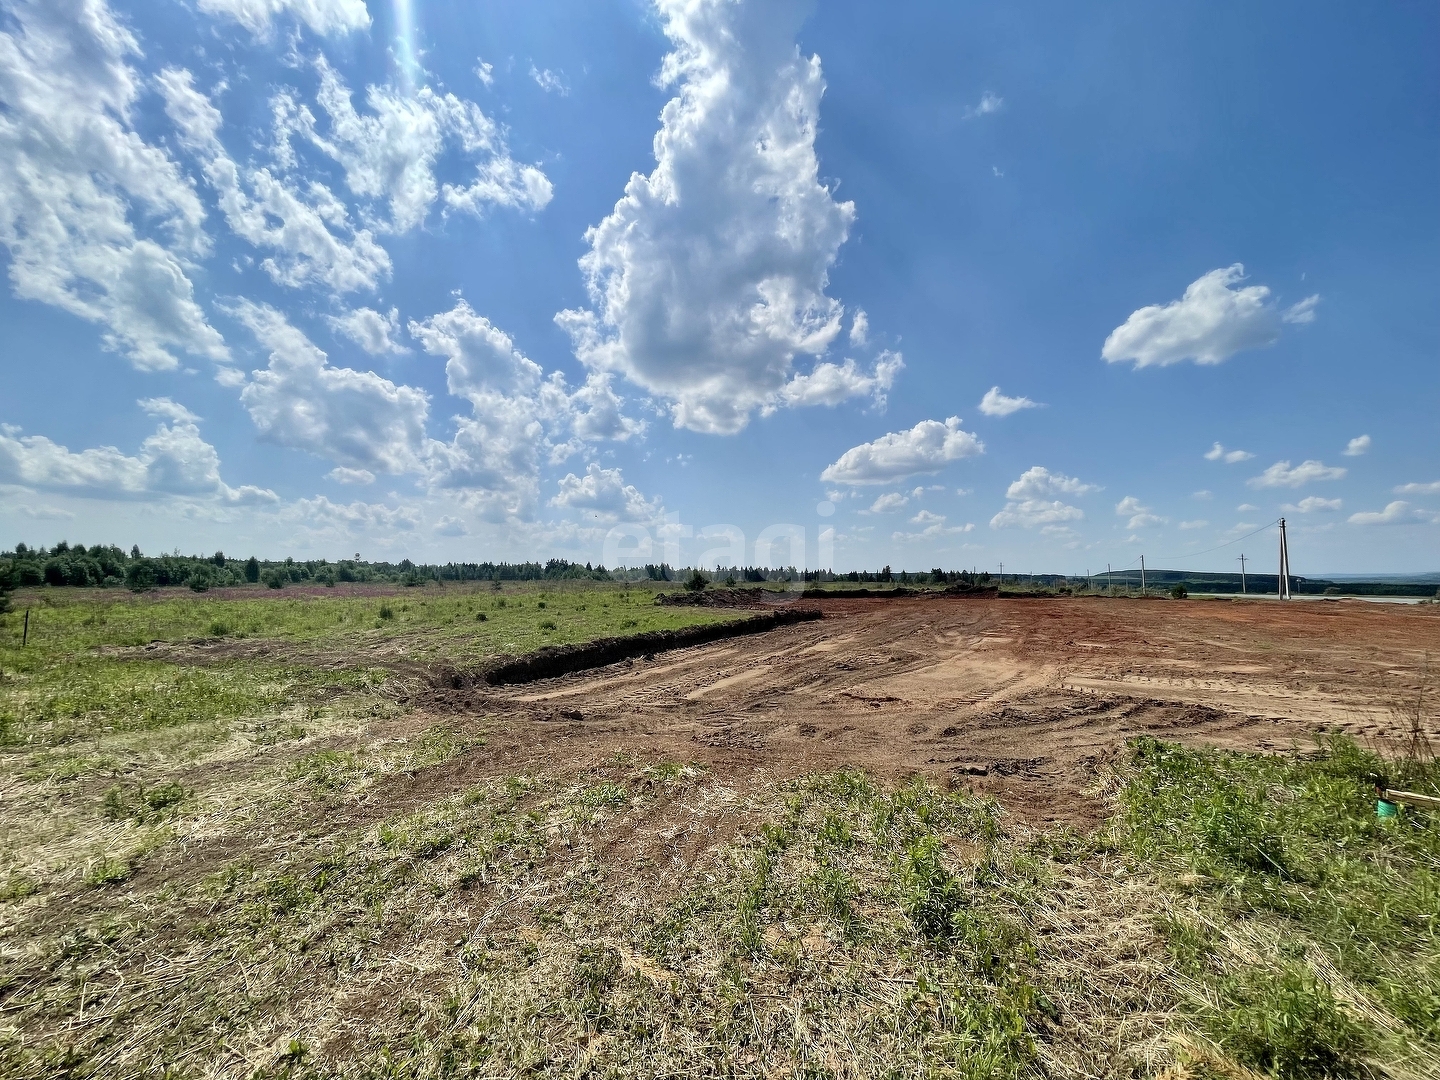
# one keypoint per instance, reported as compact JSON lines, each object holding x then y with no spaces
{"x":1025,"y":700}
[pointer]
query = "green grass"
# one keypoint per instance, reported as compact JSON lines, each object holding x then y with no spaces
{"x":100,"y":663}
{"x":1306,"y":936}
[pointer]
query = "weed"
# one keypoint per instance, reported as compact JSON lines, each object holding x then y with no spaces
{"x":106,"y":871}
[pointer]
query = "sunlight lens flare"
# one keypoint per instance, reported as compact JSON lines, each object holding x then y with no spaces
{"x":405,"y":42}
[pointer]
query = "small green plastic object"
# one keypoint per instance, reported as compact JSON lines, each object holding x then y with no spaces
{"x":1385,"y":808}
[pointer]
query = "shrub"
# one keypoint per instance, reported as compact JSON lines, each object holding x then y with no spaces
{"x":275,"y":579}
{"x":386,"y":611}
{"x":141,"y":575}
{"x":696,"y":581}
{"x":252,"y":570}
{"x":547,"y":624}
{"x":1179,"y":592}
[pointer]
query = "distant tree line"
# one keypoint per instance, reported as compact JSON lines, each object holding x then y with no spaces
{"x":109,"y":566}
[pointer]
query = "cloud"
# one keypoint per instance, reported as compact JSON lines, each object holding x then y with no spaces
{"x":320,"y":515}
{"x":485,"y":72}
{"x":1140,"y":516}
{"x":889,"y":503}
{"x":989,"y":103}
{"x":1282,"y":475}
{"x":859,"y":328}
{"x":933,"y":527}
{"x":517,"y":412}
{"x":1230,"y":457}
{"x":604,"y":494}
{"x":1398,"y":512}
{"x":310,"y":232}
{"x":1197,"y":524}
{"x":449,"y":526}
{"x":549,"y":81}
{"x":72,"y":170}
{"x":1209,"y":324}
{"x":1038,"y":482}
{"x":174,"y":461}
{"x":323,"y":17}
{"x":708,"y":278}
{"x":354,"y":418}
{"x":1311,"y":505}
{"x":926,"y":448}
{"x":1357,"y":446}
{"x":1031,"y":500}
{"x":391,"y":151}
{"x":830,"y":384}
{"x":1419,"y":489}
{"x":372,"y":331}
{"x":1203,"y":493}
{"x":994,"y":403}
{"x":342,"y":475}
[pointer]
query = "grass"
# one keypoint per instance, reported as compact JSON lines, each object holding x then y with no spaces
{"x":263,"y":863}
{"x":1303,"y":928}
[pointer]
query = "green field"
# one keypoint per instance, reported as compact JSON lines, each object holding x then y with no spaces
{"x":234,"y":846}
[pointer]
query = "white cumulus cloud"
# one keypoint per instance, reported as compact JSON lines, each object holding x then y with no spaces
{"x":372,"y":331}
{"x":1140,"y":516}
{"x":1312,"y":504}
{"x":1210,"y":323}
{"x":1032,"y":500}
{"x":310,"y":231}
{"x":926,"y":448}
{"x":932,"y":526}
{"x":1281,"y":474}
{"x":323,"y":17}
{"x":1432,"y":488}
{"x":830,"y":384}
{"x":390,"y":151}
{"x":77,"y":181}
{"x":708,"y":278}
{"x":994,"y":403}
{"x":174,"y":461}
{"x":1230,"y":457}
{"x":1357,"y":446}
{"x":889,"y":503}
{"x":1398,"y":512}
{"x":603,"y":494}
{"x":356,"y":419}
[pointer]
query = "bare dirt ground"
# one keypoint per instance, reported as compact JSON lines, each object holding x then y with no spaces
{"x":1024,"y":699}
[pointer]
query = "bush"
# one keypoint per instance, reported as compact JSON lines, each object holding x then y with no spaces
{"x":202,"y":579}
{"x":141,"y":575}
{"x":696,"y":581}
{"x":275,"y":579}
{"x":252,"y":570}
{"x":1179,"y":592}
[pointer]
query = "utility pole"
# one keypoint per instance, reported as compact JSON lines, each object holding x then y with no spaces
{"x":1002,"y":573}
{"x":1108,"y":586}
{"x":1284,"y":582}
{"x":1242,"y":573}
{"x":1142,"y":575}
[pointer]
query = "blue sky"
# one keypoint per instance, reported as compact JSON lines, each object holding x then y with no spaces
{"x":930,"y":284}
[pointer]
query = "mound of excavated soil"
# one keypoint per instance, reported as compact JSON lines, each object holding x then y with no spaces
{"x":557,"y":660}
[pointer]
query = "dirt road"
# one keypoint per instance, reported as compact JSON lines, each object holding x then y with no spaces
{"x":1023,"y":699}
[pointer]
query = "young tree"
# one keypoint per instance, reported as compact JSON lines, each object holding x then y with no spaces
{"x":252,"y":570}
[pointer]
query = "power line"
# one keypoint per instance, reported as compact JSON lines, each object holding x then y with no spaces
{"x":1134,"y":563}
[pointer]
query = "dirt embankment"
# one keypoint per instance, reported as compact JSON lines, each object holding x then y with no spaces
{"x":556,"y":660}
{"x":1027,"y":702}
